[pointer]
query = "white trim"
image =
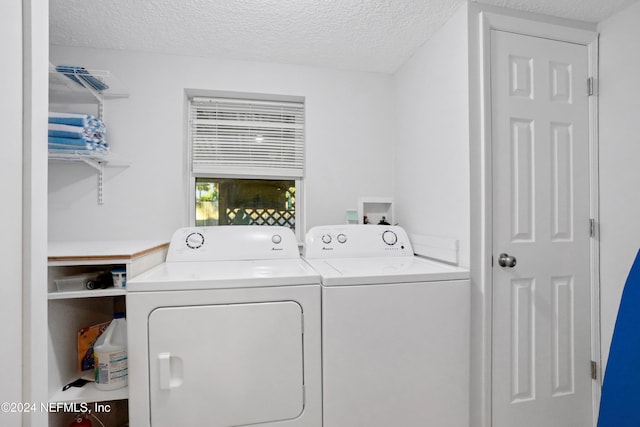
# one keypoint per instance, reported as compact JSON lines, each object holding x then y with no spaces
{"x":300,"y":229}
{"x":192,"y":93}
{"x":190,"y":178}
{"x":11,"y":304}
{"x":533,"y":28}
{"x":439,"y":248}
{"x":594,"y":182}
{"x":491,"y":18}
{"x":37,"y":363}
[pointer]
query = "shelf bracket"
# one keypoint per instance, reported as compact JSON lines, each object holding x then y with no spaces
{"x":100,"y":183}
{"x":99,"y":166}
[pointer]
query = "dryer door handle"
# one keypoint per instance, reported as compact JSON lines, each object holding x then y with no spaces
{"x":164,"y":366}
{"x":170,"y":370}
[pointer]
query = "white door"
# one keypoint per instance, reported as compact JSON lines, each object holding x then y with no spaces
{"x":226,"y":365}
{"x":541,"y":305}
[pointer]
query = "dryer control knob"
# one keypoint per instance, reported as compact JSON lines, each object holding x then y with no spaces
{"x":342,"y":238}
{"x":326,"y":239}
{"x":276,"y":239}
{"x":389,"y":237}
{"x":194,"y":240}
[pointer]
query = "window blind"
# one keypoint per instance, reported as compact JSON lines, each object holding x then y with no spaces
{"x":246,"y":137}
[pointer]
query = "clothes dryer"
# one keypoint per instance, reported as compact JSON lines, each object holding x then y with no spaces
{"x":226,"y":332}
{"x":395,"y":330}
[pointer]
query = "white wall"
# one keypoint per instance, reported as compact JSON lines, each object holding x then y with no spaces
{"x":348,"y":141}
{"x":619,"y":159}
{"x":11,"y":196}
{"x":431,"y":136}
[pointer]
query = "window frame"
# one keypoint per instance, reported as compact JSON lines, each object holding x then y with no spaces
{"x":191,"y":176}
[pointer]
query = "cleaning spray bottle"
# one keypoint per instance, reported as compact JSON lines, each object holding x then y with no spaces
{"x":110,"y":353}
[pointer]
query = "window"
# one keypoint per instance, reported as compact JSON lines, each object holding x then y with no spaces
{"x":247,"y":161}
{"x":245,"y":201}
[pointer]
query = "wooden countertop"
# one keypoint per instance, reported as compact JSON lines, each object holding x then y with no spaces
{"x":103,"y":250}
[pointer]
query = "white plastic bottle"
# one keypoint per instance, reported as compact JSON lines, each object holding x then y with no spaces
{"x":110,"y":353}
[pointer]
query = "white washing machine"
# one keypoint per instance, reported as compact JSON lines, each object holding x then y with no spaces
{"x":395,"y":330}
{"x":226,"y":332}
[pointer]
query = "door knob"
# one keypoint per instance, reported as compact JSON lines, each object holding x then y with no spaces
{"x":505,"y":260}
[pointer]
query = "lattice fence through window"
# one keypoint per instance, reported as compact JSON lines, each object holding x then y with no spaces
{"x":251,"y":216}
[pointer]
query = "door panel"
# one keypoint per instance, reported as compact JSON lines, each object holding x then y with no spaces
{"x":541,"y":307}
{"x":226,"y":365}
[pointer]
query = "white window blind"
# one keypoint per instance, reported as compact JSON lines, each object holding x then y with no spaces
{"x":246,"y":137}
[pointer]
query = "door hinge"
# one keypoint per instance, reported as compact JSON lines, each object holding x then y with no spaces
{"x":593,"y":228}
{"x":594,"y":370}
{"x":590,"y":86}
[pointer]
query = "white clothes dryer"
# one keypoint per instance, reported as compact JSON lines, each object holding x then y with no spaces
{"x":226,"y":332}
{"x":395,"y":330}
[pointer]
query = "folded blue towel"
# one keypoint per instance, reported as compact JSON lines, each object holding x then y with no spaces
{"x":66,"y":131}
{"x":100,"y":148}
{"x":76,"y":131}
{"x":74,"y":142}
{"x":80,"y":73}
{"x":91,"y":123}
{"x":62,"y":147}
{"x":72,"y":119}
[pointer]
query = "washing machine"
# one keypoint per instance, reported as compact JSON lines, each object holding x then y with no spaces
{"x":395,"y":330}
{"x":226,"y":332}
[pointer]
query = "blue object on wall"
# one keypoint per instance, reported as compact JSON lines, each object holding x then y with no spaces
{"x":620,"y":403}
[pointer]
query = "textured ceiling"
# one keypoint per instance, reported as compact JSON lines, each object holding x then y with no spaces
{"x":368,"y":35}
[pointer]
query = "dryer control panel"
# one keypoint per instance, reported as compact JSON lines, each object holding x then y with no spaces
{"x":230,"y":243}
{"x":357,"y":240}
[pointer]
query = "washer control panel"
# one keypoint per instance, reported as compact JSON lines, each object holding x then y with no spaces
{"x":226,"y":243}
{"x":346,"y":241}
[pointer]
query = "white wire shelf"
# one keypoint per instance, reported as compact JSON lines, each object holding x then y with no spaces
{"x":84,"y":86}
{"x":71,"y":84}
{"x":95,"y":159}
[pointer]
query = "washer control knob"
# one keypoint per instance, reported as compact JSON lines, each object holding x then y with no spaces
{"x":341,"y":238}
{"x":326,"y":239}
{"x":276,"y":239}
{"x":389,"y":237}
{"x":194,"y":240}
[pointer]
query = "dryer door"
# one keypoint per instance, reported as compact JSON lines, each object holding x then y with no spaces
{"x":226,"y":365}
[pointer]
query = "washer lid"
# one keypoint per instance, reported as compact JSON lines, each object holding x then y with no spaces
{"x":381,"y":270}
{"x":224,"y":274}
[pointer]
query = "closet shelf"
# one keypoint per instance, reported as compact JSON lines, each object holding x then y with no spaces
{"x":89,"y":394}
{"x":79,"y":86}
{"x":95,"y":293}
{"x":70,"y":84}
{"x":94,"y":159}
